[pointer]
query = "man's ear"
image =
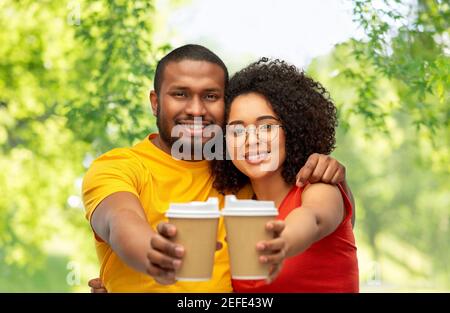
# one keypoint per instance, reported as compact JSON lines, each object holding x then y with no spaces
{"x":154,"y":102}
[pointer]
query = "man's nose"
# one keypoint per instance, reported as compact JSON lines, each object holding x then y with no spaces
{"x":195,"y":107}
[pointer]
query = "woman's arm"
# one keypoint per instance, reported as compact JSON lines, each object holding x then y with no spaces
{"x":352,"y":200}
{"x":321,"y":212}
{"x":323,"y":168}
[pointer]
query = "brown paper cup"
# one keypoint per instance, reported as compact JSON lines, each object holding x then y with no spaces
{"x":243,"y":233}
{"x":198,"y":237}
{"x":196,"y":224}
{"x":245,"y":222}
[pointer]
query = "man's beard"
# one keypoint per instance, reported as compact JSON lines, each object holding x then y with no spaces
{"x":164,"y":131}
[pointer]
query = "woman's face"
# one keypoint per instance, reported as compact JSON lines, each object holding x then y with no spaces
{"x":255,"y":140}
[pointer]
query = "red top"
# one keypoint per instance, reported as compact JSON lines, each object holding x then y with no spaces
{"x":329,"y":265}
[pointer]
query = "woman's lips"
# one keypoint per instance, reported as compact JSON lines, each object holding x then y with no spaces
{"x":256,"y":158}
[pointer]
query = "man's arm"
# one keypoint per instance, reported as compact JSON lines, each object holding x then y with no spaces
{"x":324,"y":168}
{"x":121,"y":222}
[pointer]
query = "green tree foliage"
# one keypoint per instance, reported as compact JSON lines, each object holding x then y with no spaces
{"x":118,"y":58}
{"x":391,"y":89}
{"x":74,"y":77}
{"x":409,"y":44}
{"x":74,"y":81}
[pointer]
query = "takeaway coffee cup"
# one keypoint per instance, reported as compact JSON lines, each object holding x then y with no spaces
{"x":196,"y":224}
{"x":245,"y":222}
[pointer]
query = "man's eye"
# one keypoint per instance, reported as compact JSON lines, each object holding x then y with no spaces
{"x":212,"y":97}
{"x":179,"y":94}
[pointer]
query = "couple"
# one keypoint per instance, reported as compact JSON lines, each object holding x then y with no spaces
{"x":274,"y":114}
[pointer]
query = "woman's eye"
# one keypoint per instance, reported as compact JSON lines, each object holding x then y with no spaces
{"x":237,"y":131}
{"x":266,"y":127}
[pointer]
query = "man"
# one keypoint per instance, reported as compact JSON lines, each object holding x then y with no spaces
{"x":127,"y":191}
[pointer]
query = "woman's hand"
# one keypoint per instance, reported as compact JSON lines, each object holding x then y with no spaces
{"x":273,"y":251}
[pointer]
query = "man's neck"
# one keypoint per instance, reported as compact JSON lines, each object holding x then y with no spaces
{"x":160,"y":144}
{"x":272,"y":188}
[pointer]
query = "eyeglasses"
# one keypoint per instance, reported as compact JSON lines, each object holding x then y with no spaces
{"x":265,"y":133}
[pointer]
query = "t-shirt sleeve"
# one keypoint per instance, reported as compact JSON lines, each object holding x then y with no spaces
{"x":114,"y":171}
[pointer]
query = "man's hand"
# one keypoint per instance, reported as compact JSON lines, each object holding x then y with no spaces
{"x":321,"y":168}
{"x":164,"y":256}
{"x":273,"y":251}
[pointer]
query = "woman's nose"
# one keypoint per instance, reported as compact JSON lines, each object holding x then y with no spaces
{"x":252,"y":138}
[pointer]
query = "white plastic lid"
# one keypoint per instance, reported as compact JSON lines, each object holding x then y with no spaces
{"x":194,"y":209}
{"x":235,"y":207}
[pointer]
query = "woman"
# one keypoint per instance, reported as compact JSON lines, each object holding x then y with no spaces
{"x":276,"y":117}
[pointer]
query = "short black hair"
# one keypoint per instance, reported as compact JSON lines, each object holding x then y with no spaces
{"x":187,"y":52}
{"x":303,"y":106}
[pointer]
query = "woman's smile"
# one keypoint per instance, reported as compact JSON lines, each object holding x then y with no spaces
{"x":256,"y":157}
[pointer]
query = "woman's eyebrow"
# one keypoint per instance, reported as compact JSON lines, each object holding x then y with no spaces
{"x":266,"y":117}
{"x":236,"y":122}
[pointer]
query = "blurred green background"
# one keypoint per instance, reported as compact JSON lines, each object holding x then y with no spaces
{"x":74,"y":80}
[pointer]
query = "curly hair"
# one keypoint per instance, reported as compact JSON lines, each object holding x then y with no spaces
{"x":302,"y":105}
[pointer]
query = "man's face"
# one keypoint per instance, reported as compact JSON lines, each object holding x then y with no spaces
{"x":189,"y":90}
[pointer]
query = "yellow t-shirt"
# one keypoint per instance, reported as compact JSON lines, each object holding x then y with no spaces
{"x":156,"y":179}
